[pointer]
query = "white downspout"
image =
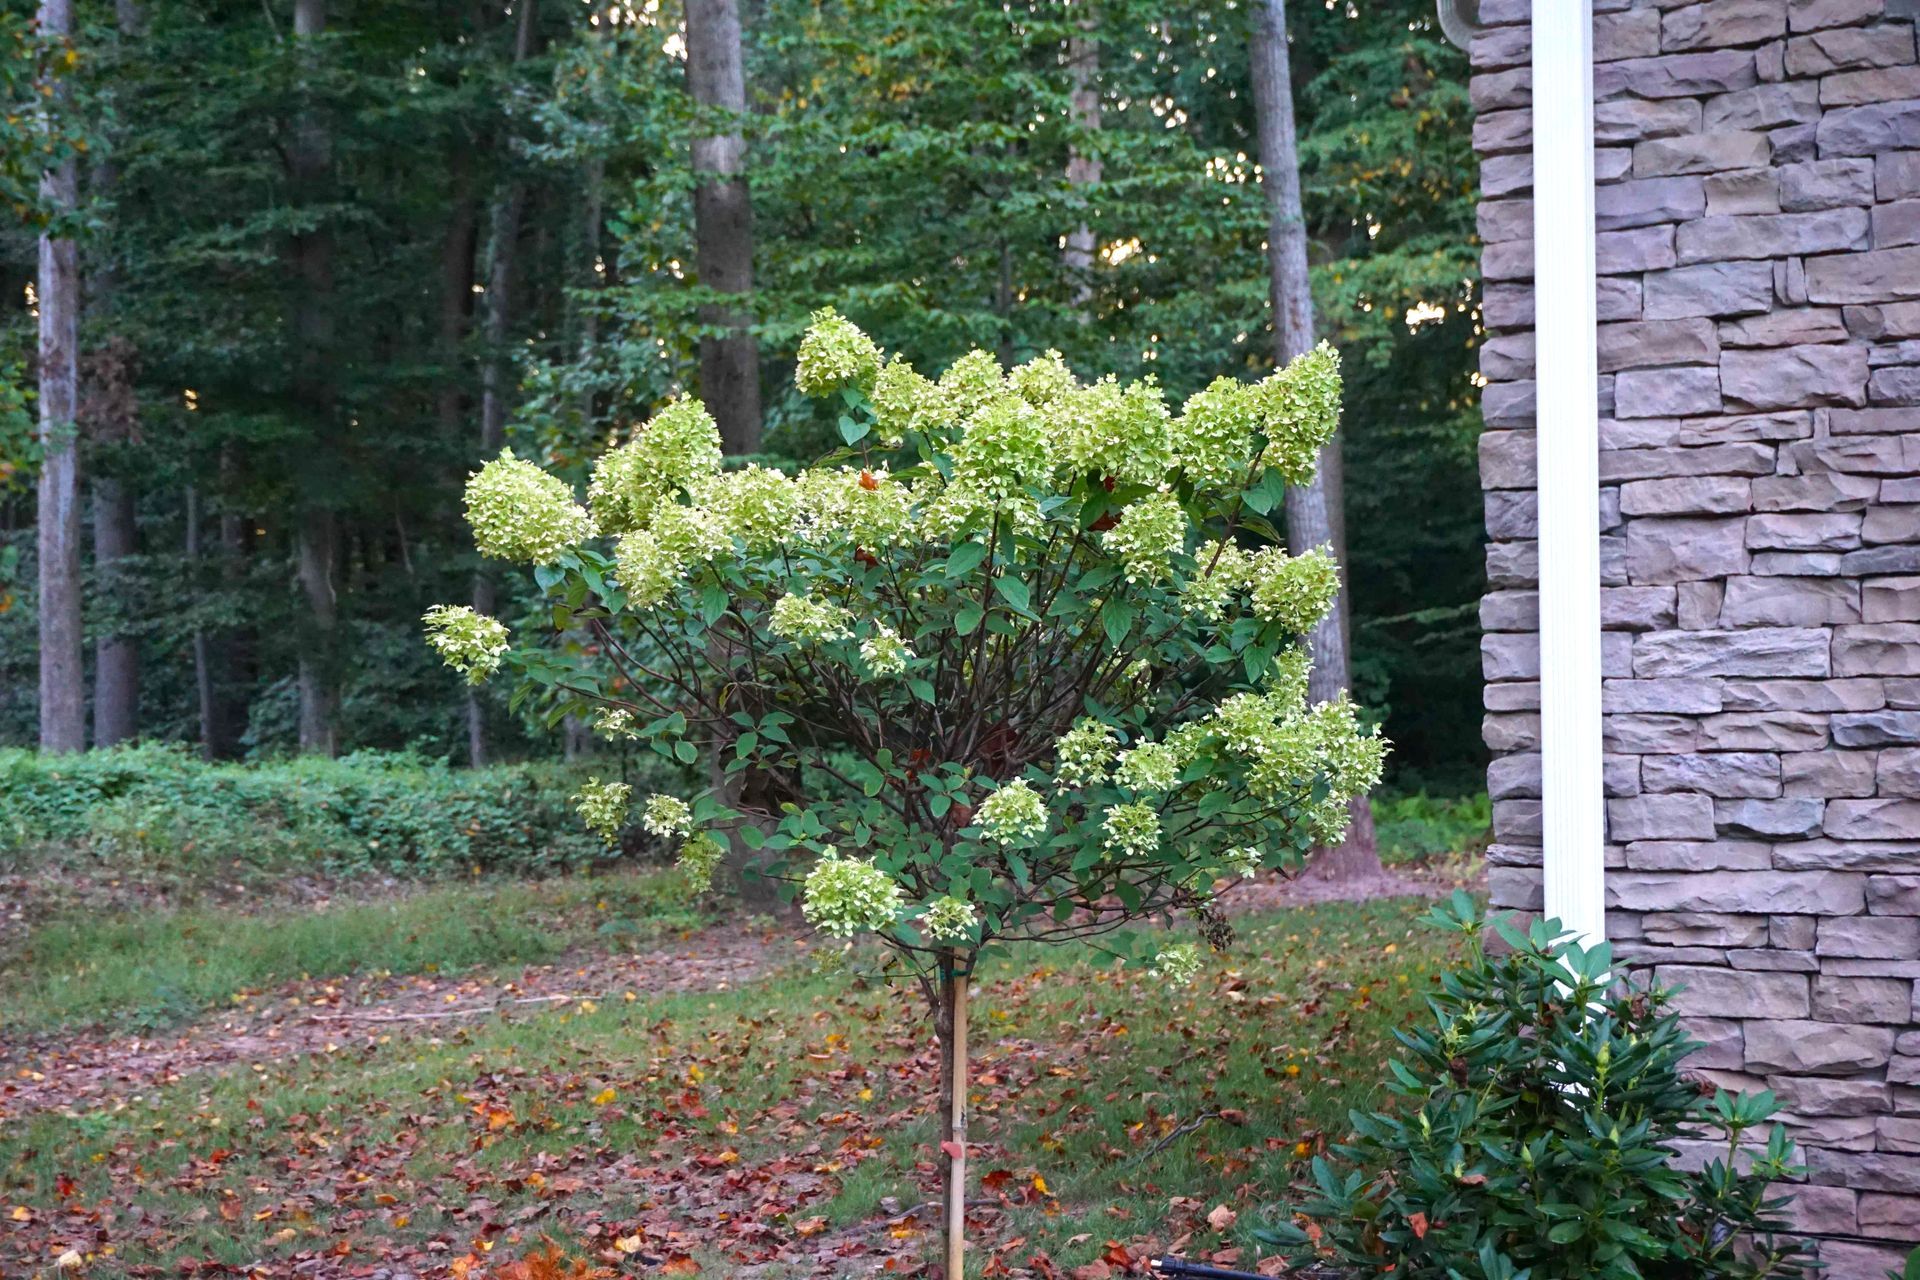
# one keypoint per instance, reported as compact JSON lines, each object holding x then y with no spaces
{"x":1567,"y":392}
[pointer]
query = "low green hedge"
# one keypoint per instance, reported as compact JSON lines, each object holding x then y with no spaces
{"x":369,"y":812}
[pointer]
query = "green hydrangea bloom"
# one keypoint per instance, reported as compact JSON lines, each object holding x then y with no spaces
{"x":948,"y":919}
{"x":1177,"y":965}
{"x":1014,"y":816}
{"x":755,"y":504}
{"x":804,"y":620}
{"x":884,"y":652}
{"x":647,"y":572}
{"x":520,"y":513}
{"x":1149,"y":767}
{"x":834,"y":354}
{"x":667,"y":816}
{"x":699,"y":857}
{"x":469,"y":642}
{"x":1294,"y":591}
{"x":970,"y":383}
{"x":904,"y":401}
{"x":1149,"y":533}
{"x":1119,"y":433}
{"x":1084,"y":753}
{"x":603,"y":807}
{"x":845,"y":896}
{"x":1042,"y":381}
{"x":1299,"y":407}
{"x":1004,"y":449}
{"x":1131,"y":831}
{"x":1220,"y":569}
{"x":679,"y":446}
{"x":1214,"y":435}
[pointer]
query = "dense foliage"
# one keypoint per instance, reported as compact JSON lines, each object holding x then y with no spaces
{"x":1540,"y":1113}
{"x":998,"y":668}
{"x":133,"y":808}
{"x":908,"y":164}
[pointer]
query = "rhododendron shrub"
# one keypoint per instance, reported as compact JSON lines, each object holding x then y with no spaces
{"x":1022,"y":661}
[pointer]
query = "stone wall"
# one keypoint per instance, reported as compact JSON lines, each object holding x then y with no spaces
{"x":1758,"y":204}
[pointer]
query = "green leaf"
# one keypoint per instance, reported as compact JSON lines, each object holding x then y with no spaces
{"x":1015,"y":592}
{"x":685,"y":752}
{"x":967,"y":620}
{"x":853,"y":432}
{"x":1117,"y":616}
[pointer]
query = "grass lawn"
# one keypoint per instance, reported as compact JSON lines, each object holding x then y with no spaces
{"x":152,"y":969}
{"x":780,"y":1128}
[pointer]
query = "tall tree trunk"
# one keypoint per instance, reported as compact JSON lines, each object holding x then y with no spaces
{"x":116,"y":656}
{"x":951,"y":1028}
{"x":1083,"y":170}
{"x":315,"y":532}
{"x":63,"y":723}
{"x":723,"y":223}
{"x":503,"y":240}
{"x":456,"y":290}
{"x":205,"y":697}
{"x":1314,"y":516}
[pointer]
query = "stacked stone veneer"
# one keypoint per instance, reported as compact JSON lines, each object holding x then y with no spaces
{"x":1758,"y":199}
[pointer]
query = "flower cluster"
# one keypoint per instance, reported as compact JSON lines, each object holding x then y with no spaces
{"x":1220,"y":569}
{"x":1147,"y":536}
{"x":603,"y":807}
{"x":834,"y":354}
{"x":870,"y":509}
{"x":1119,"y":433}
{"x":519,"y":512}
{"x":1004,"y":449}
{"x":903,"y":401}
{"x":1294,"y":591}
{"x":1084,"y":753}
{"x":680,"y":445}
{"x":845,"y":896}
{"x":1214,"y":435}
{"x":648,"y":573}
{"x":1015,"y":815}
{"x":1131,"y":831}
{"x":667,"y":816}
{"x":1299,"y":407}
{"x":1149,"y":767}
{"x":617,"y":722}
{"x":949,"y":919}
{"x":804,"y":620}
{"x":1042,"y":381}
{"x":970,"y":383}
{"x":698,"y":858}
{"x":755,"y":504}
{"x":884,"y":652}
{"x":1243,"y":861}
{"x":1177,"y":965}
{"x":471,"y":643}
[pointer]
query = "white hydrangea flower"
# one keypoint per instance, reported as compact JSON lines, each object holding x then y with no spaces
{"x":845,"y":896}
{"x":1150,"y":531}
{"x":1295,"y":591}
{"x":1015,"y":815}
{"x":1244,"y":861}
{"x":1131,"y":831}
{"x":804,"y":620}
{"x":667,"y":816}
{"x":1214,"y":434}
{"x":834,"y":354}
{"x":520,"y":513}
{"x":755,"y":504}
{"x":1149,"y":767}
{"x":1299,"y":407}
{"x":680,"y":445}
{"x":646,"y":571}
{"x":469,"y":642}
{"x":1084,"y":753}
{"x":1119,"y":433}
{"x":603,"y":807}
{"x":1220,"y":569}
{"x":904,"y":401}
{"x":948,"y":919}
{"x":698,"y":858}
{"x":1043,"y":380}
{"x":1177,"y":965}
{"x":617,"y":722}
{"x":884,"y":652}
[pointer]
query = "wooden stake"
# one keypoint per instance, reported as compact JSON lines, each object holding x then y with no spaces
{"x":956,"y":1144}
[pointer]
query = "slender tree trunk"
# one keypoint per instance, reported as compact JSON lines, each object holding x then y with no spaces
{"x":1083,"y":66}
{"x":952,"y":1030}
{"x":116,"y":656}
{"x":503,"y":241}
{"x":203,"y":687}
{"x":233,"y":650}
{"x":315,"y":532}
{"x":1314,"y":517}
{"x":63,"y":723}
{"x":456,"y":290}
{"x":723,"y":223}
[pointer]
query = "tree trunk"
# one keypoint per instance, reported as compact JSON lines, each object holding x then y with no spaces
{"x":952,"y":1031}
{"x":723,"y":223}
{"x":456,"y":290}
{"x":116,"y":656}
{"x":1314,"y":516}
{"x":503,"y":241}
{"x":1083,"y":65}
{"x":205,"y":697}
{"x":309,"y":158}
{"x":63,"y":723}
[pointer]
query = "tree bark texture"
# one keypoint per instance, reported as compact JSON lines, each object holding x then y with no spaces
{"x":116,"y":655}
{"x":63,"y":724}
{"x":1083,"y":170}
{"x":1314,"y":511}
{"x":723,"y":223}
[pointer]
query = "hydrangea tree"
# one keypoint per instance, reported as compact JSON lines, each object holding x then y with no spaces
{"x":1019,"y":663}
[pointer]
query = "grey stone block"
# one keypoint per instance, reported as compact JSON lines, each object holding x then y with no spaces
{"x":1732,"y":289}
{"x":1700,"y":153}
{"x":1726,"y":993}
{"x":1635,"y":119}
{"x":1633,"y":250}
{"x":1507,"y":357}
{"x":1701,"y":855}
{"x":1679,"y":549}
{"x":1880,"y":819}
{"x":1826,"y":184}
{"x":1803,"y":695}
{"x":1517,"y":820}
{"x":1874,"y":560}
{"x":1882,"y":275}
{"x":1815,"y":1097}
{"x":1784,"y":818}
{"x":1821,"y":492}
{"x":1848,"y":774}
{"x":1876,"y":728}
{"x":1761,"y":651}
{"x":1698,"y":604}
{"x":1666,"y":393}
{"x":1874,"y":323}
{"x":1648,"y":202}
{"x":1897,"y":772}
{"x":1849,"y":48}
{"x":1616,"y":298}
{"x":1870,"y":937}
{"x":1804,"y":531}
{"x":1513,"y":564}
{"x":1507,"y":459}
{"x":1894,"y":895}
{"x":1704,"y":929}
{"x":1816,"y":1048}
{"x":1870,"y":129}
{"x":1649,"y":343}
{"x":1742,"y":191}
{"x":1790,"y":377}
{"x":1877,"y":649}
{"x":1501,"y":89}
{"x":1878,"y":421}
{"x":1511,"y":514}
{"x":1504,"y":220}
{"x":1785,"y":328}
{"x":1722,"y":24}
{"x":1896,"y":175}
{"x":1662,"y":817}
{"x":1789,"y":602}
{"x":1696,"y":697}
{"x":1516,"y":889}
{"x":1896,"y":224}
{"x":1771,"y":235}
{"x":1883,"y":1217}
{"x":1728,"y":774}
{"x":1811,"y":15}
{"x":1507,"y":306}
{"x":1796,"y":564}
{"x":1853,"y":855}
{"x":1514,"y":777}
{"x":1746,"y":892}
{"x":1742,"y":459}
{"x":1495,"y":131}
{"x":1881,"y":1000}
{"x":1884,"y":456}
{"x":1510,"y":657}
{"x":1764,"y":731}
{"x":1883,"y":524}
{"x":1636,"y":608}
{"x":1511,"y":404}
{"x":1688,"y":75}
{"x":1506,"y":175}
{"x":1510,"y":611}
{"x":1643,"y":734}
{"x":1765,"y":106}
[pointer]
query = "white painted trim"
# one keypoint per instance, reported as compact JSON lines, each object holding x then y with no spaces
{"x":1568,"y":443}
